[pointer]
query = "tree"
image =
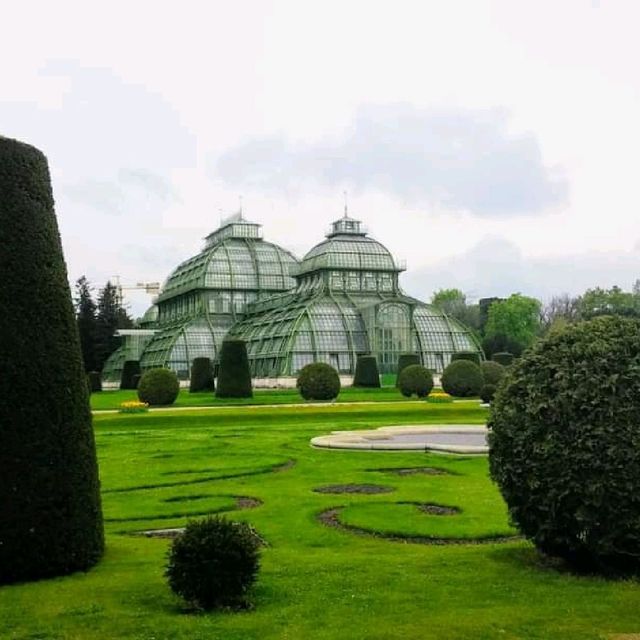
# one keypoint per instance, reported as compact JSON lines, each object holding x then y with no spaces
{"x":111,"y":317}
{"x":87,"y":323}
{"x":608,"y":302}
{"x":453,"y":303}
{"x":50,"y":515}
{"x":559,"y":311}
{"x":517,"y":319}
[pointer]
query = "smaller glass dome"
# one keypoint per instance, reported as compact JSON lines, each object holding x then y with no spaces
{"x":234,"y":258}
{"x":348,"y":247}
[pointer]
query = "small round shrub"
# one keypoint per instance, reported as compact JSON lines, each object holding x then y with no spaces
{"x":564,"y":441}
{"x":405,"y":360}
{"x":503,"y":357}
{"x":492,"y":372}
{"x":158,"y":387}
{"x":471,"y":356}
{"x":214,"y":563}
{"x":201,"y":376}
{"x":94,"y":381}
{"x":462,"y":379}
{"x":318,"y":381}
{"x":130,"y":369}
{"x":367,"y":374}
{"x":415,"y":379}
{"x":487,"y":393}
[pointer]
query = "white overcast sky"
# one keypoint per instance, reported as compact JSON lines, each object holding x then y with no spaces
{"x":493,"y":145}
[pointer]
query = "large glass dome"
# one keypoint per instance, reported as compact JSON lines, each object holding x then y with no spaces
{"x":347,"y":303}
{"x":205,"y":295}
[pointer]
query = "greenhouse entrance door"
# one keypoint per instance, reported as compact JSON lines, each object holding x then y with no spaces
{"x":392,"y":335}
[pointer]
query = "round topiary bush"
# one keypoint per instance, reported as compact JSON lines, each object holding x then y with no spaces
{"x":367,"y":374}
{"x":462,"y":379}
{"x":415,"y":379}
{"x":201,"y":376}
{"x":492,"y":372}
{"x":503,"y":357}
{"x":50,"y":513}
{"x":487,"y":393}
{"x":94,"y":381}
{"x":234,"y":374}
{"x":213,"y":563}
{"x":158,"y":387}
{"x":565,"y":441}
{"x":405,"y":360}
{"x":471,"y":356}
{"x":318,"y":381}
{"x":130,"y":369}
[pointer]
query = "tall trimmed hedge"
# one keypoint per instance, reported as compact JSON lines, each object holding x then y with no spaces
{"x":367,"y":374}
{"x":201,"y":376}
{"x":50,"y":514}
{"x":406,"y":360}
{"x":471,"y":356}
{"x":130,"y":369}
{"x":94,"y":381}
{"x":564,"y":441}
{"x":234,"y":375}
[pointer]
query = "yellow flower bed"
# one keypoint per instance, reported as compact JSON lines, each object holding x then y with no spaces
{"x":133,"y":406}
{"x":439,"y":396}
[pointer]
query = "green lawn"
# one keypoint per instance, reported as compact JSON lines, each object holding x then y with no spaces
{"x":316,"y":582}
{"x":112,"y":399}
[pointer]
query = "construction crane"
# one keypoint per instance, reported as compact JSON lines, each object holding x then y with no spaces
{"x":152,"y":288}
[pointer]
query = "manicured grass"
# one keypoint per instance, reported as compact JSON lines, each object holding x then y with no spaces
{"x":112,"y":399}
{"x":316,"y":582}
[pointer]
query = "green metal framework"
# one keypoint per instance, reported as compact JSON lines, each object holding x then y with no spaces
{"x":347,"y":302}
{"x":205,"y":295}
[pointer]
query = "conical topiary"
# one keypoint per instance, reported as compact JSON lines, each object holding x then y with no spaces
{"x":234,"y":375}
{"x":50,"y":515}
{"x":201,"y":376}
{"x":366,"y":374}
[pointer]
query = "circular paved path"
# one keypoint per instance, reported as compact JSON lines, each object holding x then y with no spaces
{"x":445,"y":438}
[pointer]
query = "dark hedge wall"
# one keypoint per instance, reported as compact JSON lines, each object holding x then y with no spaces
{"x":50,"y":514}
{"x":367,"y":374}
{"x":130,"y":370}
{"x":201,"y":376}
{"x":234,"y":375}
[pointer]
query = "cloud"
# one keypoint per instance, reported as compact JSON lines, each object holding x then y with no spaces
{"x":496,"y":267}
{"x":458,"y":159}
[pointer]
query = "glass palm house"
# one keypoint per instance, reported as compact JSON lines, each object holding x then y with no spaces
{"x":341,"y":301}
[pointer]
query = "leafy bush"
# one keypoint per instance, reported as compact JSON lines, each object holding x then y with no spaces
{"x":462,"y":379}
{"x":94,"y":381}
{"x":214,"y":563}
{"x":503,"y":357}
{"x":50,"y":513}
{"x":318,"y":381}
{"x":487,"y":393}
{"x":492,"y":372}
{"x":201,"y":376}
{"x":158,"y":387}
{"x":130,"y":369}
{"x":415,"y":379}
{"x":367,"y":374}
{"x":564,"y":441}
{"x":471,"y":356}
{"x":234,"y":375}
{"x":405,"y":360}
